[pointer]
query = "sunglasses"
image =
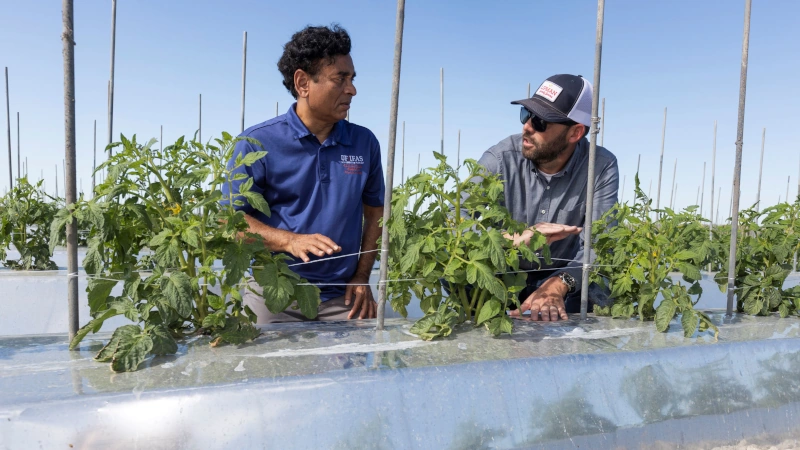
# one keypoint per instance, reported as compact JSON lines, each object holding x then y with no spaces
{"x":539,"y":124}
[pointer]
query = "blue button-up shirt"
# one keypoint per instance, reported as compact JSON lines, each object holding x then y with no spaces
{"x":315,"y":188}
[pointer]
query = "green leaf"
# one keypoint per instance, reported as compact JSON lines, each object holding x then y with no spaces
{"x":99,"y":290}
{"x":664,"y":315}
{"x":278,"y":296}
{"x":132,"y":348}
{"x":216,"y":320}
{"x":177,"y":289}
{"x":487,"y":280}
{"x":489,"y":310}
{"x":93,"y":261}
{"x":216,"y":302}
{"x":472,"y":273}
{"x":689,"y":271}
{"x":496,"y":250}
{"x":783,"y":309}
{"x":257,"y":201}
{"x":238,"y":330}
{"x":93,"y":326}
{"x":689,"y":322}
{"x":308,"y":300}
{"x":637,"y":273}
{"x":236,"y":261}
{"x":191,"y":237}
{"x":160,"y":238}
{"x":686,"y":255}
{"x":252,"y":157}
{"x":163,"y":342}
{"x":126,"y":308}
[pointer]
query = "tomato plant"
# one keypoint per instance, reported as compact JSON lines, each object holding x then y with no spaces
{"x":636,"y":254}
{"x":26,"y":213}
{"x":160,"y":226}
{"x":766,"y":246}
{"x":431,"y":242}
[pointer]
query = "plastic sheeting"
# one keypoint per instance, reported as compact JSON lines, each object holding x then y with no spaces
{"x":603,"y":383}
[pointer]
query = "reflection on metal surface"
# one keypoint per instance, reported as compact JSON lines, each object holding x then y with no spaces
{"x":599,"y":384}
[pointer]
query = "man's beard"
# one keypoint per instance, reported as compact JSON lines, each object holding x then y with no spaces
{"x":547,"y":152}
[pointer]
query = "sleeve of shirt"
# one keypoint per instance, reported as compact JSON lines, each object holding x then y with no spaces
{"x":375,"y":188}
{"x":605,"y":196}
{"x":256,"y":171}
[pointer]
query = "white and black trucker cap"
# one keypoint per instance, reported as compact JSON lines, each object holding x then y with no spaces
{"x":562,"y":98}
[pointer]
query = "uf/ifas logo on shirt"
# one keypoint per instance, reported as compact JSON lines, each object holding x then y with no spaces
{"x":353,"y":164}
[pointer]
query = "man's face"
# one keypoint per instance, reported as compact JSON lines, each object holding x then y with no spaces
{"x":329,"y":96}
{"x":544,"y":147}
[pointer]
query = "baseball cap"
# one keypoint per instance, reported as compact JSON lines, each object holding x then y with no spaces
{"x":562,"y":98}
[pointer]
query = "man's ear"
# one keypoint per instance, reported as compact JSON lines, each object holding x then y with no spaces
{"x":301,"y":81}
{"x":577,"y":132}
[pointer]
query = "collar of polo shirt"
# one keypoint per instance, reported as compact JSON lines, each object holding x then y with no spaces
{"x":339,"y":135}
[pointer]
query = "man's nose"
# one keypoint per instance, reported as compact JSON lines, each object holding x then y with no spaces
{"x":350,"y":89}
{"x":527,"y":128}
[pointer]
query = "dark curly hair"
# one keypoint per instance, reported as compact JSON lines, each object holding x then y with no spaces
{"x":309,"y":48}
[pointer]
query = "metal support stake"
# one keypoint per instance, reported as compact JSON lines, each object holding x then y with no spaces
{"x":788,"y":180}
{"x":398,"y":52}
{"x":661,"y":162}
{"x":587,"y":227}
{"x":441,"y":109}
{"x":8,"y":127}
{"x":68,"y":41}
{"x":19,"y":159}
{"x":603,"y":123}
{"x":200,"y":120}
{"x":403,"y":162}
{"x":94,"y":157}
{"x":458,"y":151}
{"x":111,"y":80}
{"x":703,"y":189}
{"x":713,"y":175}
{"x":244,"y":73}
{"x":622,"y":195}
{"x":672,"y":191}
{"x":737,"y":171}
{"x":760,"y":169}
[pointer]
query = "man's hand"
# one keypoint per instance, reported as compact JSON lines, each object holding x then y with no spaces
{"x":300,"y":245}
{"x":359,"y":291}
{"x":547,"y":300}
{"x":553,"y":231}
{"x":556,"y":232}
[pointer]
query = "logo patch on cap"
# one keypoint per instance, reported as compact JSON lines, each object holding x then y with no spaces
{"x":549,"y":90}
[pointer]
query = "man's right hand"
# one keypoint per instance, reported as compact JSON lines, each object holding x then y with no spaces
{"x":556,"y":232}
{"x":553,"y":231}
{"x":300,"y":245}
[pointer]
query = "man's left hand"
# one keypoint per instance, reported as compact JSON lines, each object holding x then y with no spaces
{"x":547,"y":300}
{"x":360,"y":294}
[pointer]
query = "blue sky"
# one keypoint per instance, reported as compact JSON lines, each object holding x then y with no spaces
{"x":681,"y":54}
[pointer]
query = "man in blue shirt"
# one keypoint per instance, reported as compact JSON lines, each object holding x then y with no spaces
{"x":322,"y":179}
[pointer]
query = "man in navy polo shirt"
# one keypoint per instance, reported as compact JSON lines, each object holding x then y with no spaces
{"x":321,"y":177}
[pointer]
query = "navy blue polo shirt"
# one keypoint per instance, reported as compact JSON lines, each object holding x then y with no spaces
{"x":313,"y":188}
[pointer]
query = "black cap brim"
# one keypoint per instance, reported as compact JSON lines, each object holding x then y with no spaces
{"x":543,"y":110}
